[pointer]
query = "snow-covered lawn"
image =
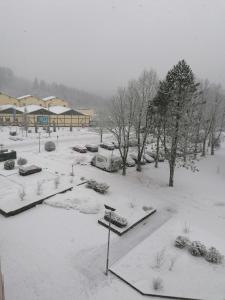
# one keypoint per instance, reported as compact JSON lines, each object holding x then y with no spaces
{"x":52,"y":253}
{"x":180,"y":273}
{"x":35,"y":187}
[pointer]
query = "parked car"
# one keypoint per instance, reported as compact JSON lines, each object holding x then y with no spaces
{"x":108,"y":163}
{"x":134,"y":156}
{"x":92,"y":147}
{"x":24,"y":171}
{"x":80,"y":149}
{"x":108,"y":146}
{"x":148,"y":158}
{"x":161,"y":157}
{"x":130,"y":162}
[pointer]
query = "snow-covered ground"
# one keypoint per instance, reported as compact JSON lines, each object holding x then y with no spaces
{"x":52,"y":253}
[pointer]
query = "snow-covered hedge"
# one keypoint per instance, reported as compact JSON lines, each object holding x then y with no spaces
{"x":214,"y":256}
{"x":197,"y":249}
{"x":115,"y":219}
{"x":97,"y":186}
{"x":9,"y":165}
{"x":49,"y":146}
{"x":181,"y":242}
{"x":21,"y":161}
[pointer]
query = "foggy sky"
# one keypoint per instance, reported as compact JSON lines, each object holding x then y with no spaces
{"x":97,"y":45}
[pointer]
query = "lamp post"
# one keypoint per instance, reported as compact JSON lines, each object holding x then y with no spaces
{"x":39,"y":141}
{"x":110,"y":209}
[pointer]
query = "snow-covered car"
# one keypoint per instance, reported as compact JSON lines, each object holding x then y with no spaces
{"x":134,"y":156}
{"x":161,"y":157}
{"x":148,"y":158}
{"x":92,"y":147}
{"x":80,"y":149}
{"x":108,"y":146}
{"x":108,"y":163}
{"x":130,"y":162}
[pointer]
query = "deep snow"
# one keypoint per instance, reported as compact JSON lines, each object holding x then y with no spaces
{"x":50,"y":253}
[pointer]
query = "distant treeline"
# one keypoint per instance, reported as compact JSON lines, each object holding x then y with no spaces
{"x":17,"y":86}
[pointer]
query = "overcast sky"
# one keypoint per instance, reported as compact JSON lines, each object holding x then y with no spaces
{"x":97,"y":45}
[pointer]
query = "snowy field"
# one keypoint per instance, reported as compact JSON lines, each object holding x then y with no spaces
{"x":180,"y":273}
{"x":57,"y":250}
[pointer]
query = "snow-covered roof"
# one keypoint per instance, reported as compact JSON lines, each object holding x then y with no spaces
{"x":58,"y":109}
{"x":23,"y":97}
{"x":48,"y":98}
{"x":7,"y":106}
{"x":31,"y":108}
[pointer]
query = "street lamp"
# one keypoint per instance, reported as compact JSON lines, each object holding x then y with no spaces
{"x":110,"y":209}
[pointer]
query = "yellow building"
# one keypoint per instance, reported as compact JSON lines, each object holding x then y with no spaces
{"x":54,"y":101}
{"x":87,"y":111}
{"x":5,"y":99}
{"x":36,"y":115}
{"x":29,"y":100}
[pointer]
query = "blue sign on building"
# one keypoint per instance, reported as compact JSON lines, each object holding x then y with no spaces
{"x":42,"y":120}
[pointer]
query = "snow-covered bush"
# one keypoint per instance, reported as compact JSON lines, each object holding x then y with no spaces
{"x":159,"y":258}
{"x":49,"y":146}
{"x":157,"y":284}
{"x":21,"y":161}
{"x":97,"y":186}
{"x":56,"y":182}
{"x":115,"y":219}
{"x":214,"y":256}
{"x":22,"y":194}
{"x":197,"y":248}
{"x":9,"y":165}
{"x":181,"y":242}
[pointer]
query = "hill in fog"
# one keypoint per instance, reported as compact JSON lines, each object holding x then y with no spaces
{"x":16,"y":86}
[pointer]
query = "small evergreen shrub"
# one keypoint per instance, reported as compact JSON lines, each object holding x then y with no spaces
{"x":181,"y":242}
{"x":9,"y":165}
{"x":157,"y":284}
{"x":21,"y":161}
{"x":214,"y":256}
{"x":50,"y":146}
{"x":115,"y":219}
{"x":197,"y":249}
{"x":101,"y":188}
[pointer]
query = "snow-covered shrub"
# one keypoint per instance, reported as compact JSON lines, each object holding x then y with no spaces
{"x":181,"y":242}
{"x":172,"y":262}
{"x":97,"y":186}
{"x":56,"y":182}
{"x":159,"y":259}
{"x":197,"y":248}
{"x":39,"y":187}
{"x":9,"y":165}
{"x":157,"y":284}
{"x":186,"y":228}
{"x":115,"y":219}
{"x":49,"y":146}
{"x":21,"y":161}
{"x":214,"y":256}
{"x":22,"y":194}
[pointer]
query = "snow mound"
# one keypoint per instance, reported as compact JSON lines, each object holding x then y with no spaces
{"x":83,"y":205}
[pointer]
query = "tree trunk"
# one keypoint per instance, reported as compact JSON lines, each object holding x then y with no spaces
{"x":138,"y":168}
{"x":157,"y":152}
{"x":212,"y":147}
{"x":124,"y":169}
{"x":172,"y":166}
{"x":203,"y":147}
{"x":101,"y":135}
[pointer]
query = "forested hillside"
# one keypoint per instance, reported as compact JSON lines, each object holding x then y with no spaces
{"x":17,"y":86}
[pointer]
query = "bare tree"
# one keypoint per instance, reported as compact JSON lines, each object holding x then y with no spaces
{"x":122,"y":112}
{"x":145,"y":89}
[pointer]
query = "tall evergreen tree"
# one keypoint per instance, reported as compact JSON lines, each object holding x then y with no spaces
{"x":173,"y":101}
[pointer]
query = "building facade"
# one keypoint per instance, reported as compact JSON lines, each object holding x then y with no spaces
{"x":35,"y":115}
